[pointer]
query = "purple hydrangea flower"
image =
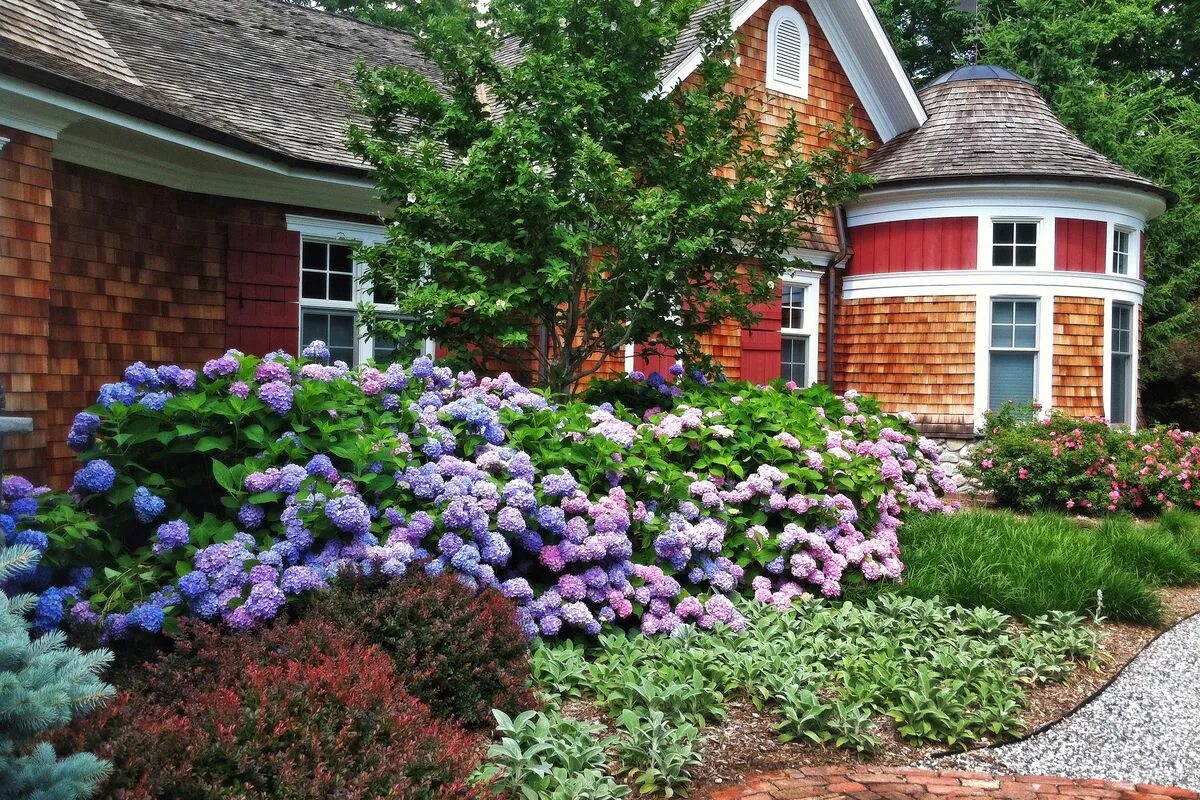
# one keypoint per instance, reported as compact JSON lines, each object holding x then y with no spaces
{"x":251,"y":516}
{"x":240,"y":389}
{"x":220,"y":367}
{"x":278,"y":395}
{"x":171,"y":535}
{"x":349,"y":514}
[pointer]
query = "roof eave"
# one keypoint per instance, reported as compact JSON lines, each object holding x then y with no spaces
{"x":1167,"y":197}
{"x":72,"y":87}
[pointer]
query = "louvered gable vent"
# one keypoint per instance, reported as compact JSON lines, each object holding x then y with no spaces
{"x":787,"y":53}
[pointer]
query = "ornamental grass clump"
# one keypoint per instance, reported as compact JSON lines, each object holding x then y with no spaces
{"x":203,"y":494}
{"x":1086,"y":466}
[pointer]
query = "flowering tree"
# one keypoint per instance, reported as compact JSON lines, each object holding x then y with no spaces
{"x":546,"y":195}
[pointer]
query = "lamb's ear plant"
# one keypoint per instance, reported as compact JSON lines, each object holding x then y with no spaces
{"x":656,"y":752}
{"x":546,"y":755}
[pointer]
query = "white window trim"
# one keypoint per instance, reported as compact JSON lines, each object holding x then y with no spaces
{"x":1045,"y":241}
{"x":315,"y":229}
{"x":1043,"y":360}
{"x":811,"y":283}
{"x":774,"y":84}
{"x":1135,"y":341}
{"x":1135,"y":251}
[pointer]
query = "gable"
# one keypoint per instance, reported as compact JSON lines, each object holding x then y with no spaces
{"x":859,"y":45}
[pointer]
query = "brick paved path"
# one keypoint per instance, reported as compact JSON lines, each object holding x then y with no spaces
{"x":898,"y":783}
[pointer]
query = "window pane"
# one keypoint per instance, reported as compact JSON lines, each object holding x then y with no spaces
{"x":1003,"y":232}
{"x":1003,"y":256}
{"x":314,"y":327}
{"x":341,"y":330}
{"x":339,"y":258}
{"x":1121,"y":264}
{"x":313,"y":255}
{"x":341,"y":286}
{"x":1002,"y":336}
{"x":383,"y":295}
{"x":1025,"y":336}
{"x":312,"y":285}
{"x":795,"y":359}
{"x":1027,"y":233}
{"x":1025,"y":313}
{"x":1002,"y":312}
{"x":1025,"y":256}
{"x":1012,"y":379}
{"x":1121,"y":386}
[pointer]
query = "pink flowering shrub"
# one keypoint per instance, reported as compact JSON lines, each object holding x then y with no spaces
{"x":1086,"y":466}
{"x":224,"y":493}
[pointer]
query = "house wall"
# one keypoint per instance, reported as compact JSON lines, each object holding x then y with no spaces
{"x":1079,"y":335}
{"x":125,"y":270}
{"x":915,"y":353}
{"x":26,"y":200}
{"x":1081,"y":245}
{"x":915,"y":245}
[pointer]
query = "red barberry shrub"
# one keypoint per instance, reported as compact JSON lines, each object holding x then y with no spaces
{"x":459,"y":651}
{"x":299,"y":711}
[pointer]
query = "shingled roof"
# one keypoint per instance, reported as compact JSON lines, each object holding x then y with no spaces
{"x":989,"y":123}
{"x":262,"y":75}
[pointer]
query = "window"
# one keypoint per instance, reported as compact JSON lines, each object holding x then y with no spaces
{"x":798,"y":324}
{"x":787,"y":53}
{"x":1014,"y":244}
{"x":1121,"y":368}
{"x":1013,"y":353}
{"x":330,"y":288}
{"x":1120,"y":251}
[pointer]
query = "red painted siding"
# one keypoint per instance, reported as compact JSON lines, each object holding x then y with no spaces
{"x":914,"y":245}
{"x":762,"y":343}
{"x":1081,"y":245}
{"x":263,"y":295}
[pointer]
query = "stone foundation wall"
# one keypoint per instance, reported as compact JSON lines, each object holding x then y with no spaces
{"x":954,"y":456}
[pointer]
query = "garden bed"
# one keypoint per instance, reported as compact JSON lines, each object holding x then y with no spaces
{"x":745,"y":744}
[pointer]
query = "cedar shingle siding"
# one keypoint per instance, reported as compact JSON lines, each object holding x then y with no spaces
{"x":916,"y":354}
{"x":1079,"y":335}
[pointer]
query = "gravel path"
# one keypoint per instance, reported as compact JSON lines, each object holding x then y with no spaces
{"x":1144,"y":728}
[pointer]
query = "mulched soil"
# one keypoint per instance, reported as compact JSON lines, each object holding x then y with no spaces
{"x":745,"y":744}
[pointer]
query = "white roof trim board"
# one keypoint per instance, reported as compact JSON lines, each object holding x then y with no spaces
{"x":865,"y":52}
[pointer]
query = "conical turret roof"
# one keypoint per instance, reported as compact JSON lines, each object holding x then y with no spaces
{"x":989,"y":123}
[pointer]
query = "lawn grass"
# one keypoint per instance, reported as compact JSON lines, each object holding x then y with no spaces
{"x":1027,"y":566}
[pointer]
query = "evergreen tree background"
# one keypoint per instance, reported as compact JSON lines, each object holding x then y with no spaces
{"x":43,"y":683}
{"x":1124,"y":76}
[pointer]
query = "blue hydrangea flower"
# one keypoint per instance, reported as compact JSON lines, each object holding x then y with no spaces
{"x":112,"y":394}
{"x":138,"y":374}
{"x":147,"y":505}
{"x":316,"y":350}
{"x":35,"y":539}
{"x":82,"y":433}
{"x":193,"y":585}
{"x":145,"y":616}
{"x":155,"y":401}
{"x":95,"y":476}
{"x":49,"y":610}
{"x":24,"y":508}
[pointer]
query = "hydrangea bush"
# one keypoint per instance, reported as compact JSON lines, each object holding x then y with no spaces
{"x":223,"y":493}
{"x":1086,"y":465}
